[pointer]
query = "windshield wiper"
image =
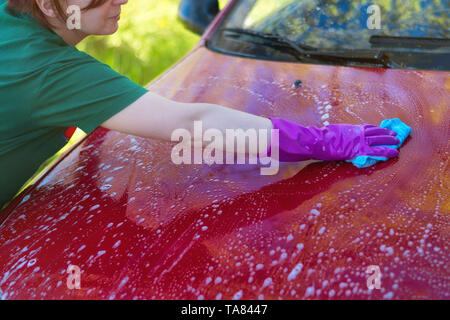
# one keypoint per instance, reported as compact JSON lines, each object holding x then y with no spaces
{"x":302,"y":51}
{"x":300,"y":47}
{"x":409,"y":41}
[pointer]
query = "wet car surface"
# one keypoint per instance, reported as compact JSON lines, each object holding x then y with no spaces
{"x":141,"y":227}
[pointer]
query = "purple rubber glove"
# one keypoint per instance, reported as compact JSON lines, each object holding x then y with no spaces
{"x":332,"y":142}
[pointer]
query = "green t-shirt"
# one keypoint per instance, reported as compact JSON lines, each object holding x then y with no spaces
{"x":47,"y":86}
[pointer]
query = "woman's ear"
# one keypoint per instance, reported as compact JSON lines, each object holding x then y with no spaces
{"x":46,"y":7}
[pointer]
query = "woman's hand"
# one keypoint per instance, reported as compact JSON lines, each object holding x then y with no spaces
{"x":332,"y":142}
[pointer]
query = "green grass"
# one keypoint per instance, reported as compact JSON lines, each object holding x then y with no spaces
{"x":150,"y":39}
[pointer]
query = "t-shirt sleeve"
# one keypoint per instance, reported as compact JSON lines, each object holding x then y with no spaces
{"x":80,"y":91}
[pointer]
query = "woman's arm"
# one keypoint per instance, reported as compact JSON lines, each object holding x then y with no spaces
{"x":156,"y":117}
{"x":153,"y":116}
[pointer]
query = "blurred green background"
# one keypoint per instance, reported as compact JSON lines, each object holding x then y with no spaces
{"x":150,"y":39}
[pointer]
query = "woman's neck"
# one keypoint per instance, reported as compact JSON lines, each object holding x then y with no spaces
{"x":71,"y":37}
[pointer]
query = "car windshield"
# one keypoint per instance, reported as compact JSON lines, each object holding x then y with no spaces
{"x":408,"y":34}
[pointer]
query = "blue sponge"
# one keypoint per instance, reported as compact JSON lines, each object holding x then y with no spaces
{"x":395,"y":124}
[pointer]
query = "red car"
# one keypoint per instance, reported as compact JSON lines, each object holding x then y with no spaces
{"x":115,"y":218}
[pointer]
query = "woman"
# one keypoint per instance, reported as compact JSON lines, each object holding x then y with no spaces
{"x":47,"y":85}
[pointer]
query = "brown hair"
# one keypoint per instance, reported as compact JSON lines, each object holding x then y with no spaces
{"x":30,"y":7}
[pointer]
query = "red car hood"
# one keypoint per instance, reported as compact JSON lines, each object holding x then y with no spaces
{"x":139,"y":226}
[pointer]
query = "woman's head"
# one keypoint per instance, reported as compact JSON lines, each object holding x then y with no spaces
{"x":98,"y":17}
